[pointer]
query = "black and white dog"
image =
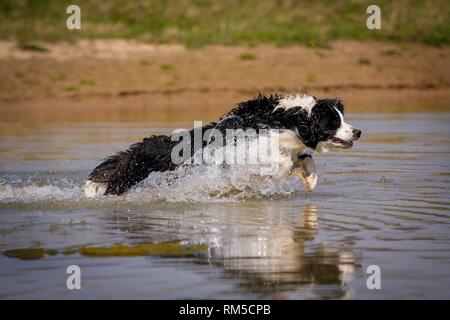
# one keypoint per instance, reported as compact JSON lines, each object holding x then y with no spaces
{"x":306,"y":124}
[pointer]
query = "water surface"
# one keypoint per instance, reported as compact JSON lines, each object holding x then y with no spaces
{"x":385,"y":202}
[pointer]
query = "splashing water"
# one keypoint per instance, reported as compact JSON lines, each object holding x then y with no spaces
{"x":193,"y":183}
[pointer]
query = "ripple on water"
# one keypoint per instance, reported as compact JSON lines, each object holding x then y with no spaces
{"x":385,"y":202}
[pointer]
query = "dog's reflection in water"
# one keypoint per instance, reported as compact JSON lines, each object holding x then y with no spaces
{"x":277,"y":251}
{"x":283,"y":260}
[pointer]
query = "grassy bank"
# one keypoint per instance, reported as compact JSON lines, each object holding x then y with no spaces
{"x":229,"y":22}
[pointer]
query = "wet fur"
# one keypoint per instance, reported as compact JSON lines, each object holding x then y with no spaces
{"x":125,"y":169}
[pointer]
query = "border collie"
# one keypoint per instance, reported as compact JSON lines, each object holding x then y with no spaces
{"x":306,"y":124}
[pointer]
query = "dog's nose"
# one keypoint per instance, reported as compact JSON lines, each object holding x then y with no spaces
{"x":356,"y":134}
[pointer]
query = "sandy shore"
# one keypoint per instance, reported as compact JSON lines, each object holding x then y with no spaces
{"x":118,"y":79}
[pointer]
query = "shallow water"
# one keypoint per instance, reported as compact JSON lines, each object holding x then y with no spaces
{"x":385,"y":202}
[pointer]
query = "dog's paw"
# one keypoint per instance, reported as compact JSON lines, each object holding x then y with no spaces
{"x":309,"y":182}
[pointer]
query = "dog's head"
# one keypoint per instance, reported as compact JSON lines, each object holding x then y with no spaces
{"x":328,"y":127}
{"x":320,"y":123}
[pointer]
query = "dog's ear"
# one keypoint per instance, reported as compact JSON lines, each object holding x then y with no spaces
{"x":332,"y":103}
{"x":306,"y":126}
{"x":315,"y":132}
{"x":337,"y":103}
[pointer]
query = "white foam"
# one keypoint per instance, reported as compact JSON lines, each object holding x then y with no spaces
{"x":33,"y":193}
{"x":220,"y":183}
{"x":93,"y":189}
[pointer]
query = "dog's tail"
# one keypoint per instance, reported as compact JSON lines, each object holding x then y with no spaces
{"x":118,"y":173}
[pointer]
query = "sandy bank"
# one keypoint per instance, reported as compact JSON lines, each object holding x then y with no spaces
{"x":128,"y":79}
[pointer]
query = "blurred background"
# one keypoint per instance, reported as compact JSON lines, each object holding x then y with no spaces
{"x":195,"y":59}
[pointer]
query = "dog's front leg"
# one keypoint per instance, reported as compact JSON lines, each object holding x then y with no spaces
{"x":305,"y":169}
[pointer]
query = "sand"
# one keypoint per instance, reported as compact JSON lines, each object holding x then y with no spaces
{"x":129,"y":80}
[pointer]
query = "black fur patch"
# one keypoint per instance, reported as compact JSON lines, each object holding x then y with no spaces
{"x":304,"y":156}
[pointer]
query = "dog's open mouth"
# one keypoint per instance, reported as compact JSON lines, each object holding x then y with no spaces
{"x":339,"y":143}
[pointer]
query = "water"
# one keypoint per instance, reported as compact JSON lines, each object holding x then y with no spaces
{"x":385,"y":202}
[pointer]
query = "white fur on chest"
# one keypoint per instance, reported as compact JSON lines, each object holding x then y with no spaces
{"x":289,"y":142}
{"x":290,"y":146}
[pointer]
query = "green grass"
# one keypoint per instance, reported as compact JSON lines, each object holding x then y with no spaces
{"x":166,"y":67}
{"x":27,"y":46}
{"x":32,"y":82}
{"x":364,"y":61}
{"x":71,"y":88}
{"x":247,"y":56}
{"x":310,"y":78}
{"x":379,"y":67}
{"x":87,"y":82}
{"x":249,"y":22}
{"x":145,"y":62}
{"x":390,"y":52}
